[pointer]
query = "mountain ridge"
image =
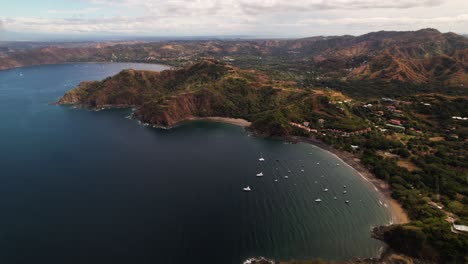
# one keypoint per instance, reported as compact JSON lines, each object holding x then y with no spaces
{"x":420,"y":57}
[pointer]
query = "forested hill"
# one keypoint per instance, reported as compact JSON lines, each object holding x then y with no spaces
{"x":420,"y":58}
{"x":209,"y":88}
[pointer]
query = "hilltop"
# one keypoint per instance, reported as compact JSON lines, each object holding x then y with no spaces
{"x":211,"y":88}
{"x":388,"y":62}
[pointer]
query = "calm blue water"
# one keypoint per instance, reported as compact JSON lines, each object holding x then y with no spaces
{"x":93,"y":187}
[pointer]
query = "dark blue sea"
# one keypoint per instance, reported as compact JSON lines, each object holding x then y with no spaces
{"x":78,"y":186}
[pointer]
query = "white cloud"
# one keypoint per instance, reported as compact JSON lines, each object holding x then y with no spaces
{"x":73,"y":12}
{"x":254,"y":17}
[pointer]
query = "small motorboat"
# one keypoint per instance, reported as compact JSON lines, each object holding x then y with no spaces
{"x":344,"y":186}
{"x":334,"y":198}
{"x":247,"y":189}
{"x":344,"y":192}
{"x":261,"y":159}
{"x":302,"y":170}
{"x":260,"y":174}
{"x":276,"y":180}
{"x":347,"y":201}
{"x":325,"y":190}
{"x":318,"y":200}
{"x":318,"y":163}
{"x":286,"y":176}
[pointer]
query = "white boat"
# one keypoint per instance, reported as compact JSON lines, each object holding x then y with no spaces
{"x":261,"y":158}
{"x":247,"y":189}
{"x":347,"y":201}
{"x":344,"y":186}
{"x":325,"y":190}
{"x":318,"y":163}
{"x":302,"y":170}
{"x":289,"y":171}
{"x":260,"y":174}
{"x":344,"y":192}
{"x":286,"y":176}
{"x":276,"y":180}
{"x":334,"y":198}
{"x":318,"y":200}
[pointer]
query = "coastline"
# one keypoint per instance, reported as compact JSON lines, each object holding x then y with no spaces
{"x":169,"y":67}
{"x":398,"y":215}
{"x":226,"y":120}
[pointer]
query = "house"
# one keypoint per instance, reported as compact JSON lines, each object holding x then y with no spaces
{"x":380,"y":113}
{"x":398,"y":113}
{"x":462,"y":228}
{"x":354,"y":147}
{"x":395,"y":122}
{"x":321,"y":121}
{"x":391,"y":108}
{"x":395,"y":127}
{"x":306,"y":124}
{"x":388,"y":100}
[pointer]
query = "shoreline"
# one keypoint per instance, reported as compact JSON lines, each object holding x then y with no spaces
{"x":398,"y":215}
{"x":84,"y":62}
{"x":226,"y":120}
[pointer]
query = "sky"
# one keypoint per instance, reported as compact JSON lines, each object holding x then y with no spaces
{"x":256,"y":18}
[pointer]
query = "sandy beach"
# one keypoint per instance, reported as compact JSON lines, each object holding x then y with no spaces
{"x":399,"y":216}
{"x":226,"y":120}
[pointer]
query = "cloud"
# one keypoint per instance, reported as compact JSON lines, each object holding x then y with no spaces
{"x":262,"y":6}
{"x":211,"y":25}
{"x":385,"y":21}
{"x":73,"y":12}
{"x":247,"y":17}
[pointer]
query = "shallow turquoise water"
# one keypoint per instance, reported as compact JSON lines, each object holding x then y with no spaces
{"x":93,"y":187}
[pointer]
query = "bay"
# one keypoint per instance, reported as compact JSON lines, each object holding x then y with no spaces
{"x":78,"y":186}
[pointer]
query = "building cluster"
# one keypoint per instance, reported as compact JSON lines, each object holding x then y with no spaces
{"x":306,"y":128}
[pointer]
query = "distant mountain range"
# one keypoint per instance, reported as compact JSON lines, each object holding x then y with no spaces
{"x":417,"y":57}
